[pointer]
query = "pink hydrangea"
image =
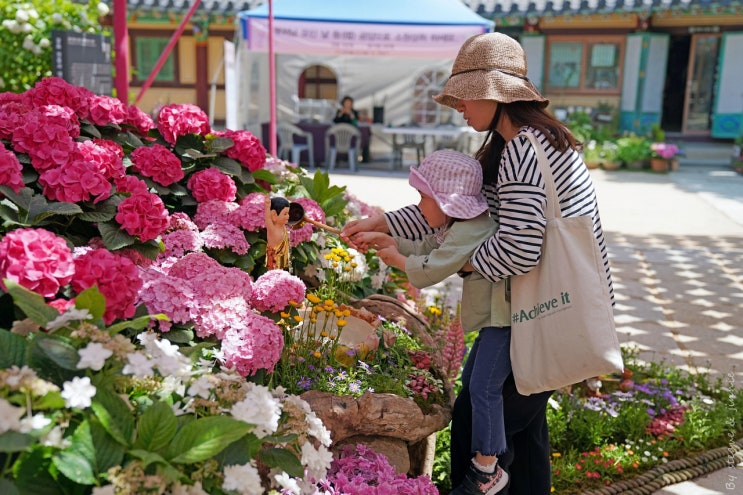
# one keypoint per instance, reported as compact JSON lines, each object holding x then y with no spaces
{"x":130,"y":184}
{"x":251,"y":214}
{"x":108,"y":156}
{"x":181,"y":119}
{"x":665,"y":150}
{"x":79,"y":180}
{"x":59,"y":115}
{"x":48,"y":143}
{"x":117,"y":279}
{"x":57,"y":91}
{"x":11,"y":170}
{"x":275,"y":290}
{"x":313,"y":211}
{"x":36,"y":259}
{"x":181,"y":241}
{"x":158,"y":162}
{"x":253,"y":346}
{"x":168,"y":295}
{"x":211,"y":184}
{"x":192,"y":265}
{"x":215,"y":211}
{"x":139,"y":120}
{"x":225,"y":236}
{"x":143,"y":215}
{"x":106,"y":110}
{"x":12,"y":114}
{"x":247,"y":149}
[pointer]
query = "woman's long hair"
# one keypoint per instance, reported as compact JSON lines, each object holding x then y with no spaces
{"x":521,"y":113}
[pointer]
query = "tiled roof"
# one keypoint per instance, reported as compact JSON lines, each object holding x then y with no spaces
{"x":487,"y":8}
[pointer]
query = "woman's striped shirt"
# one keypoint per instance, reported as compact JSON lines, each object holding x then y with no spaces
{"x":517,"y":202}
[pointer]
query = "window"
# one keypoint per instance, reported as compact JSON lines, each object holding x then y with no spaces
{"x":147,"y":51}
{"x":425,"y":110}
{"x":319,"y":83}
{"x":585,"y":65}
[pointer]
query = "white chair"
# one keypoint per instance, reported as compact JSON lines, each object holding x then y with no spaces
{"x":407,"y":141}
{"x":286,"y":133}
{"x":342,"y":139}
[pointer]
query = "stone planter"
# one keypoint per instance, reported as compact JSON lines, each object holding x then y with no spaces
{"x":391,"y":425}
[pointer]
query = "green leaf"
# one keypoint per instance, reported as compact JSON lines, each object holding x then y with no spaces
{"x":148,"y":457}
{"x":55,"y":349}
{"x":135,"y":324}
{"x":90,"y":130}
{"x":105,"y":211}
{"x":156,"y":427}
{"x":179,"y":336}
{"x":204,"y":438}
{"x":108,"y":452}
{"x":265,"y":175}
{"x":77,"y":462}
{"x":92,"y":300}
{"x":32,"y":476}
{"x":220,"y":144}
{"x":282,"y":459}
{"x":114,"y":237}
{"x":12,"y":441}
{"x":228,"y":166}
{"x":14,"y":349}
{"x":31,"y":303}
{"x":114,"y":414}
{"x":56,"y":208}
{"x":247,"y":177}
{"x":240,"y":452}
{"x":10,"y":215}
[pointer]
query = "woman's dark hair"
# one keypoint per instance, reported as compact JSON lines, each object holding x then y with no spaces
{"x":346,"y":98}
{"x":278,"y":204}
{"x":521,"y":113}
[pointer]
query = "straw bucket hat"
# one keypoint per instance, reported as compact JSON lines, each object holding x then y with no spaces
{"x":490,"y":66}
{"x":453,"y":180}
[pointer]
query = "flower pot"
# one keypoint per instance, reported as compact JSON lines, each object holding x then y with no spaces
{"x":659,"y":165}
{"x":615,"y":165}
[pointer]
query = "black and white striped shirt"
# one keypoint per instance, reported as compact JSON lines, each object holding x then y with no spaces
{"x":517,"y":202}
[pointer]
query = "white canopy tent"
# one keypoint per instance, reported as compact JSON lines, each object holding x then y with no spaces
{"x":376,"y":49}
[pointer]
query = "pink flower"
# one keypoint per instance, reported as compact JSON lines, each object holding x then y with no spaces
{"x":57,"y":91}
{"x":11,"y":170}
{"x":211,"y":184}
{"x":117,"y":279}
{"x":143,"y":215}
{"x":136,"y":118}
{"x":12,"y":114}
{"x":665,"y":150}
{"x":182,"y":236}
{"x":106,"y":110}
{"x":36,"y":259}
{"x":225,"y":236}
{"x":171,"y":296}
{"x":313,"y":211}
{"x":78,"y":180}
{"x":130,"y":184}
{"x":275,"y":289}
{"x":250,"y":216}
{"x":158,"y":162}
{"x":108,"y":156}
{"x":254,"y":345}
{"x":44,"y":139}
{"x":215,"y":211}
{"x":177,"y":120}
{"x":247,"y":149}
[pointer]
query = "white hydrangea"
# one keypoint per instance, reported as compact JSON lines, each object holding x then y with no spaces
{"x":317,"y":460}
{"x":10,"y":416}
{"x":259,"y":408}
{"x":78,"y":392}
{"x":93,"y":356}
{"x":243,"y":479}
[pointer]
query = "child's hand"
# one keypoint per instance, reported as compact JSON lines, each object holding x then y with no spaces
{"x":392,"y":257}
{"x":372,"y":240}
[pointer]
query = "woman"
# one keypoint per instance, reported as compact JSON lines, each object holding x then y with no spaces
{"x":490,"y":88}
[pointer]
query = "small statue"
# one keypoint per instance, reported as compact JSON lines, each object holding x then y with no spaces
{"x":277,"y":234}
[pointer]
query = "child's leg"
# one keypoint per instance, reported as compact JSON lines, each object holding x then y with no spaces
{"x":490,"y":369}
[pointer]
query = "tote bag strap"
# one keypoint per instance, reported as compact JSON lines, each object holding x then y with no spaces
{"x":553,"y":206}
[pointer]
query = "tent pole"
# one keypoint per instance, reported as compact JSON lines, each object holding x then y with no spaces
{"x":272,"y":83}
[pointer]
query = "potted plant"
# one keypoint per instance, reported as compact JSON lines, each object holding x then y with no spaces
{"x":633,"y":150}
{"x":663,"y":154}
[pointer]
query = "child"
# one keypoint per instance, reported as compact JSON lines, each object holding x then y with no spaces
{"x":450,"y":184}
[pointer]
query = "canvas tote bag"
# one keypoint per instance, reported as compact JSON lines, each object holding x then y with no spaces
{"x":562,"y":318}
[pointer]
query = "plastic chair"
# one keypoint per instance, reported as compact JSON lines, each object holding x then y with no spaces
{"x":346,"y":139}
{"x":286,"y":133}
{"x":407,"y":141}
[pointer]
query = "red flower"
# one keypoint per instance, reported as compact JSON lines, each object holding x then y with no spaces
{"x":143,"y":214}
{"x":247,"y":149}
{"x":211,"y":183}
{"x":11,"y":170}
{"x":177,"y":120}
{"x":157,"y":162}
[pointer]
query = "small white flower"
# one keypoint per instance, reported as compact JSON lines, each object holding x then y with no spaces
{"x":72,"y":314}
{"x":78,"y":392}
{"x":10,"y":416}
{"x":317,"y":460}
{"x":55,"y":438}
{"x":104,"y":490}
{"x":21,"y":16}
{"x":35,"y":422}
{"x":258,"y":408}
{"x":103,"y":9}
{"x":200,"y":387}
{"x":93,"y":356}
{"x":138,"y":364}
{"x":288,"y":483}
{"x":244,"y":479}
{"x":196,"y":489}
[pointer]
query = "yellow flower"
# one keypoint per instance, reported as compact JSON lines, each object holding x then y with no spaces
{"x":346,"y":312}
{"x":293,"y":303}
{"x":284,"y":315}
{"x":556,"y":454}
{"x":329,"y":302}
{"x":313,"y":298}
{"x":317,"y":354}
{"x":344,"y":355}
{"x":341,"y":323}
{"x":298,"y":319}
{"x":323,"y":334}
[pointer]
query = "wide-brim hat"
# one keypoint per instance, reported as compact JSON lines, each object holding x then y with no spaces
{"x":453,"y":180}
{"x":490,"y":66}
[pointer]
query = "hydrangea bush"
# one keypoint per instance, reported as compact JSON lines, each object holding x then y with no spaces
{"x":133,"y":294}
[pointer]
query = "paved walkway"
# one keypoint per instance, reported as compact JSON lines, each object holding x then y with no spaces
{"x":676,"y":247}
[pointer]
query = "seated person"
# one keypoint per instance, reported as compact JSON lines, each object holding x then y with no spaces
{"x":346,"y":114}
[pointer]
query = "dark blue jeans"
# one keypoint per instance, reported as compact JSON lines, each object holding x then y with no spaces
{"x":527,"y":439}
{"x":487,"y":367}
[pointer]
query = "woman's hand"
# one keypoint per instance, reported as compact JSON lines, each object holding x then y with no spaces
{"x":376,"y":223}
{"x":392,"y":257}
{"x":373,"y":240}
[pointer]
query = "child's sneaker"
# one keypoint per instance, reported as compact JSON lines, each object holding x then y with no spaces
{"x":477,"y":482}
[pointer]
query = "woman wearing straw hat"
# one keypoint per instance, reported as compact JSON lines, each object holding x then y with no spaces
{"x":489,"y":86}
